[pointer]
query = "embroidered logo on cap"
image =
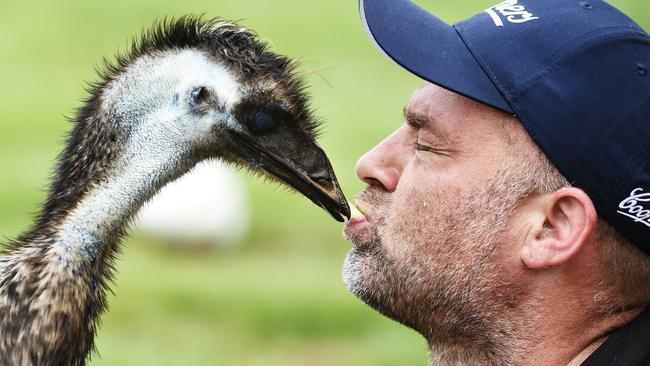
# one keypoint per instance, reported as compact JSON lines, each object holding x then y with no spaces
{"x":633,"y":209}
{"x":512,"y":11}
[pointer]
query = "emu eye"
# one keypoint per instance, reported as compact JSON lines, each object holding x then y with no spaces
{"x":199,"y":94}
{"x":262,"y":122}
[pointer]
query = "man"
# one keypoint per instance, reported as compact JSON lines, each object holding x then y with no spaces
{"x":508,"y":219}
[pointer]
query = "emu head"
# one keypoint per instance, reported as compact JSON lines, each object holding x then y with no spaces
{"x":191,"y":89}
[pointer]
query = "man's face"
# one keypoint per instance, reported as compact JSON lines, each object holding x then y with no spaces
{"x":433,"y":251}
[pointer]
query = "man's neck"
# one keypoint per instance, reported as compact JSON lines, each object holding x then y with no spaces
{"x":542,"y":337}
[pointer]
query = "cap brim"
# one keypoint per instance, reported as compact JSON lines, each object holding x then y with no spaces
{"x":429,"y":48}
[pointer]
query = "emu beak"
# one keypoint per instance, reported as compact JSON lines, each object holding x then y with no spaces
{"x":310,"y":174}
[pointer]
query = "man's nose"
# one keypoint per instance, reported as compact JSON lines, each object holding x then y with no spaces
{"x":382,"y":166}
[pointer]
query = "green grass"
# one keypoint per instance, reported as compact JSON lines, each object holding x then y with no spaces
{"x":278,"y":299}
{"x":258,"y":308}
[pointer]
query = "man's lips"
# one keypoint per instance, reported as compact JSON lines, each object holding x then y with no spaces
{"x":356,"y":221}
{"x":358,"y":216}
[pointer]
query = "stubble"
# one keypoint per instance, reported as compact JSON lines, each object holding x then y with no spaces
{"x":435,"y":264}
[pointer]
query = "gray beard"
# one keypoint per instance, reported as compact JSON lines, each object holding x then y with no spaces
{"x":460,"y":302}
{"x":459,"y":332}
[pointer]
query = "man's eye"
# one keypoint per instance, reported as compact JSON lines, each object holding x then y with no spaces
{"x":438,"y":151}
{"x":421,"y":147}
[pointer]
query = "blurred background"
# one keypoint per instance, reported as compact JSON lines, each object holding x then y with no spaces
{"x":257,"y":282}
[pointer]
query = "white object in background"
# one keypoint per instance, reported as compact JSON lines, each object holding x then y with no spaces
{"x":207,"y":205}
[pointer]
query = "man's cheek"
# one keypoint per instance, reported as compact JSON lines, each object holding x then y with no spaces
{"x":400,"y":242}
{"x":405,"y":225}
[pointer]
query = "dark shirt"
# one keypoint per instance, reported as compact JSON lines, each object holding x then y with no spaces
{"x":626,"y":346}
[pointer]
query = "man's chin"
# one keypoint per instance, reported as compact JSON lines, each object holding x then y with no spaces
{"x":352,"y":276}
{"x":363,"y":276}
{"x":362,"y":262}
{"x":366,"y":276}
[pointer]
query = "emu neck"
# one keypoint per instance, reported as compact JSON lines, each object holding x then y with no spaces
{"x":99,"y":219}
{"x":53,"y":285}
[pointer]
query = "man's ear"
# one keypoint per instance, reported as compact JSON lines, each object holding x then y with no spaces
{"x":562,"y":224}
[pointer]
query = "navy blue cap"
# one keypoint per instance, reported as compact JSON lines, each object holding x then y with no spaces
{"x":575,"y":72}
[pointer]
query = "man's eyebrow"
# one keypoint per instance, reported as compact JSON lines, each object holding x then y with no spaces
{"x":416,"y":120}
{"x":421,"y":121}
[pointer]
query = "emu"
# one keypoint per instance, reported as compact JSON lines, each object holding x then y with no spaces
{"x":189,"y":89}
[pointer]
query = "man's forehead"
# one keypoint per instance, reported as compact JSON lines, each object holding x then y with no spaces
{"x":431,"y":104}
{"x":434,"y":104}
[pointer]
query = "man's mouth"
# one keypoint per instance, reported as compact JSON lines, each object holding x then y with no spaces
{"x":358,"y":221}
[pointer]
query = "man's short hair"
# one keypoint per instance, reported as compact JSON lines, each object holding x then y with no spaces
{"x":623,"y":269}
